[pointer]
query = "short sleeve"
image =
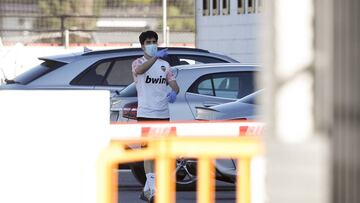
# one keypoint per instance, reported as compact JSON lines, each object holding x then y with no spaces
{"x":169,"y":75}
{"x":136,"y":64}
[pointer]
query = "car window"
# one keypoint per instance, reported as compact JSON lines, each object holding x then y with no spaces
{"x":38,"y":71}
{"x":228,"y":85}
{"x":120,"y":73}
{"x":246,"y":84}
{"x":111,"y":72}
{"x":96,"y":75}
{"x":205,"y":87}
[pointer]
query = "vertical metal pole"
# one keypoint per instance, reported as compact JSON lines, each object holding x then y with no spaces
{"x":243,"y":192}
{"x":206,"y":181}
{"x":62,"y":29}
{"x":67,"y":33}
{"x":164,"y":22}
{"x":167,"y":36}
{"x":107,"y":176}
{"x":164,"y":170}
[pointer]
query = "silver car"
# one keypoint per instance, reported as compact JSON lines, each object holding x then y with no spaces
{"x":201,"y":85}
{"x":242,"y":109}
{"x":107,"y":69}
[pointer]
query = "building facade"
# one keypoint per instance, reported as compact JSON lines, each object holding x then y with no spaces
{"x":229,"y":27}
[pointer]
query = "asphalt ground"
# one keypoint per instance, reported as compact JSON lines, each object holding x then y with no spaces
{"x":129,"y":190}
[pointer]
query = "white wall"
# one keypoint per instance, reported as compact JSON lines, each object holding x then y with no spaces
{"x":234,"y":35}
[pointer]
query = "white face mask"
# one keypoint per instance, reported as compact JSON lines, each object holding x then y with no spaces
{"x":151,"y":49}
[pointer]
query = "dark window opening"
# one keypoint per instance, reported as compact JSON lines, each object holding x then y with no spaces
{"x":216,"y":7}
{"x":226,"y":7}
{"x":206,"y":10}
{"x":251,"y":6}
{"x":241,"y":8}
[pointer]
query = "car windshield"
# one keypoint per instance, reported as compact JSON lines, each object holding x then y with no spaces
{"x":37,"y":71}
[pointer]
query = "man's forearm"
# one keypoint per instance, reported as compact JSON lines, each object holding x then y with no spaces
{"x":145,"y":66}
{"x":174,"y":86}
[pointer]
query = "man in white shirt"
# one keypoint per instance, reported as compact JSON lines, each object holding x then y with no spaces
{"x":152,"y":75}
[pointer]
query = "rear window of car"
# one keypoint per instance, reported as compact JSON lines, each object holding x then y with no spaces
{"x":38,"y":71}
{"x":233,"y":85}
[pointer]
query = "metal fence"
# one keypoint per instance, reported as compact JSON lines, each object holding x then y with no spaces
{"x":96,"y":22}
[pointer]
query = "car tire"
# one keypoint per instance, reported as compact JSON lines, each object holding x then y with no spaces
{"x":183,"y":183}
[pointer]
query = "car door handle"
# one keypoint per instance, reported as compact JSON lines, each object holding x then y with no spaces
{"x":209,"y":104}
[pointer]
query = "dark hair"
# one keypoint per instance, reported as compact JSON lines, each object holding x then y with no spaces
{"x":147,"y":35}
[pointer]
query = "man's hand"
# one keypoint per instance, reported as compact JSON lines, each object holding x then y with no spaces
{"x":171,"y":96}
{"x":162,"y":53}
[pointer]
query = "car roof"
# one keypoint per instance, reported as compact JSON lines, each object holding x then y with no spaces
{"x":68,"y":58}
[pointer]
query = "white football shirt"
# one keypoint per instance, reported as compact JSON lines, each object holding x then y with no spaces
{"x":152,"y":88}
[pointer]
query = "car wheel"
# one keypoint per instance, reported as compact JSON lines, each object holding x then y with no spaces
{"x":185,"y":174}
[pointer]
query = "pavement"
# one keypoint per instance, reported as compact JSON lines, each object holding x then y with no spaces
{"x":129,"y":190}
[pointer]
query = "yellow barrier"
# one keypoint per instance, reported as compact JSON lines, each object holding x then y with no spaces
{"x":165,"y":150}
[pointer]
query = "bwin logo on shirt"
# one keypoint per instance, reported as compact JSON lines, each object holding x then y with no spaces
{"x":160,"y":80}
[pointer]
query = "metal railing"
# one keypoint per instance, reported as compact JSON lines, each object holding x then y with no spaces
{"x":165,"y":149}
{"x":55,"y":29}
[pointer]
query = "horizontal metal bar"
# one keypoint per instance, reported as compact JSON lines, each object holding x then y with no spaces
{"x":203,"y":146}
{"x":29,"y":30}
